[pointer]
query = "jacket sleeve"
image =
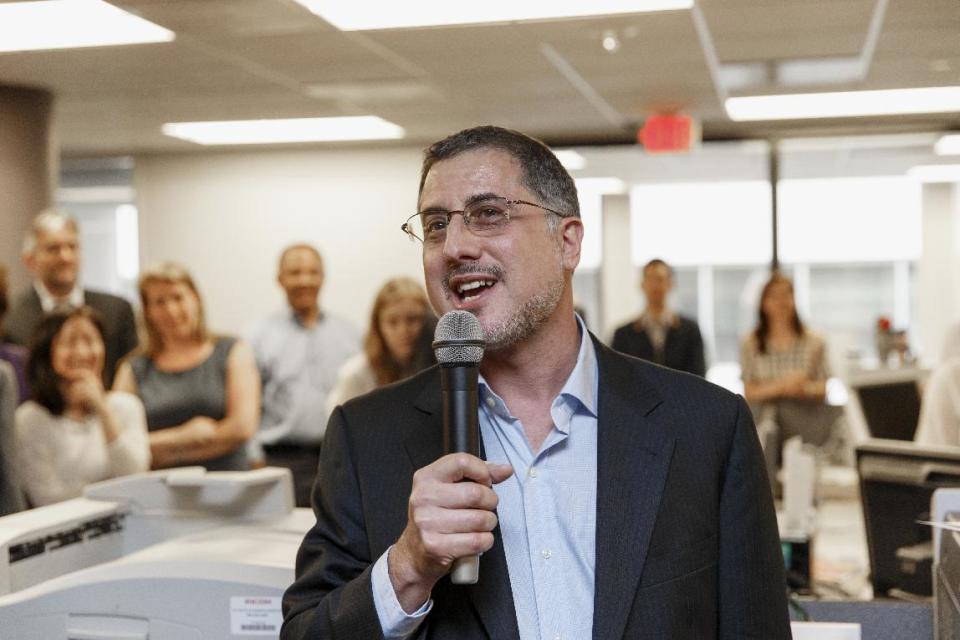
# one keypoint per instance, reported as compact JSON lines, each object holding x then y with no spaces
{"x":332,"y":597}
{"x":752,"y":584}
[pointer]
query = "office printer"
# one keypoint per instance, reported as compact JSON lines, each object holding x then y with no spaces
{"x":180,"y":554}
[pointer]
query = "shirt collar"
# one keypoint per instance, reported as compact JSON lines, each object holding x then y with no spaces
{"x":584,"y":379}
{"x":582,"y":384}
{"x":292,"y":315}
{"x":48,"y":302}
{"x":667,"y":319}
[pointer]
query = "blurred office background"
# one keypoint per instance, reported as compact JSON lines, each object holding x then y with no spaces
{"x":841,"y":199}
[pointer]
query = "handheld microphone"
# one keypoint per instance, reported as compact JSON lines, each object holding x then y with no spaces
{"x":458,"y":345}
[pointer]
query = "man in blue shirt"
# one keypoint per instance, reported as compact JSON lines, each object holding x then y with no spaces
{"x":617,"y":499}
{"x":299,"y":351}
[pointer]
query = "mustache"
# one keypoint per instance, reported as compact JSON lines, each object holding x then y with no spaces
{"x":471,"y":268}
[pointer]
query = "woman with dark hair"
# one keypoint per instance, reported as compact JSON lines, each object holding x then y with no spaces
{"x":201,"y":392}
{"x":784,"y":366}
{"x":73,"y":432}
{"x":397,"y":344}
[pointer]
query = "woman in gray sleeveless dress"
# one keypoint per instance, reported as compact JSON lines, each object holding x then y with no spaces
{"x":201,"y":392}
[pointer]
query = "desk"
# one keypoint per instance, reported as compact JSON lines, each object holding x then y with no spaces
{"x":841,"y":564}
{"x":841,"y":567}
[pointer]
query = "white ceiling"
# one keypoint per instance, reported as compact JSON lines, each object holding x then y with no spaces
{"x":244,"y":59}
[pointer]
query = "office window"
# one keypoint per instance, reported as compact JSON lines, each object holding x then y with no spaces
{"x":698,"y":223}
{"x":849,"y":244}
{"x":99,"y":194}
{"x":849,"y":220}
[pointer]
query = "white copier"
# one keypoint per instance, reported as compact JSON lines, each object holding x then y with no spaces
{"x":180,"y":554}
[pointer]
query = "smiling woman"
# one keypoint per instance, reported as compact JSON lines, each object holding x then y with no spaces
{"x":397,"y":343}
{"x":74,"y":432}
{"x":201,"y":392}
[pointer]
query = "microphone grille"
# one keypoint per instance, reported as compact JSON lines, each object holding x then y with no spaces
{"x":458,"y":339}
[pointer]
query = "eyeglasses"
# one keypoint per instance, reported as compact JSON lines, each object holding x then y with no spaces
{"x":486,"y":217}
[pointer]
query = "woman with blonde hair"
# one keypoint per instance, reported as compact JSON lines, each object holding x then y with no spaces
{"x":397,"y":344}
{"x":201,"y":391}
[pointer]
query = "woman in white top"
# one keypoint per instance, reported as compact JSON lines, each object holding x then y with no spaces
{"x":73,"y":432}
{"x":397,"y":344}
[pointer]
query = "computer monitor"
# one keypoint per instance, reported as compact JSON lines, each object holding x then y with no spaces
{"x":889,"y":400}
{"x":897,"y":480}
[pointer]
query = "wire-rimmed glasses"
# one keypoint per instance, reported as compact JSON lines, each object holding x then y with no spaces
{"x":483,"y":217}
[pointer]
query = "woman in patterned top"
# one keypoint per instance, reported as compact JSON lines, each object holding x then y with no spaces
{"x":784,"y":367}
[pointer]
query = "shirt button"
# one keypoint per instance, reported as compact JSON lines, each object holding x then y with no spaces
{"x":533,"y":472}
{"x":491,"y":402}
{"x":546,"y":554}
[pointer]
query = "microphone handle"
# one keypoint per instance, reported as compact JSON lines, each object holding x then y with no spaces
{"x":461,"y":433}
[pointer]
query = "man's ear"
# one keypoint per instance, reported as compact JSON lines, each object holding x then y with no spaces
{"x":571,"y":237}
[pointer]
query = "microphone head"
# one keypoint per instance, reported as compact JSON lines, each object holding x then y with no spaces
{"x":458,"y":339}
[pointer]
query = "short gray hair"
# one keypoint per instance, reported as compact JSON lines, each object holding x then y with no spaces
{"x":47,"y":221}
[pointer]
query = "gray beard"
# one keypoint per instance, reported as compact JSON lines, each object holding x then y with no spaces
{"x":526,"y":320}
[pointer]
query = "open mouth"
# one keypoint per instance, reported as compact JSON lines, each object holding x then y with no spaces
{"x":471,"y":289}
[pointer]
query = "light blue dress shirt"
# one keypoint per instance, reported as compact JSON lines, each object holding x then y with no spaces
{"x":547,"y":513}
{"x":298,"y":367}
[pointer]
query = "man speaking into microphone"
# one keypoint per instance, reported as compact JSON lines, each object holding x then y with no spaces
{"x":617,"y":499}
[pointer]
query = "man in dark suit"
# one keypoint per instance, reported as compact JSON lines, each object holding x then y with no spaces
{"x":617,"y":499}
{"x":660,"y":334}
{"x":51,"y":252}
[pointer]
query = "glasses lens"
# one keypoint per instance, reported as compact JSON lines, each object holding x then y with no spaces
{"x":434,"y":226}
{"x":487,"y":216}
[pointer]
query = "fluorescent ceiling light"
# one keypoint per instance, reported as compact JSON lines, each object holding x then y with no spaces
{"x":948,"y":145}
{"x":359,"y":15}
{"x":570,"y":159}
{"x":843,"y":104}
{"x":65,"y":24}
{"x":935,"y":172}
{"x":289,"y":130}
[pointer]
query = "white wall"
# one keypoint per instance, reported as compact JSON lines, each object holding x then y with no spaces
{"x":227,"y":216}
{"x":938,"y":271}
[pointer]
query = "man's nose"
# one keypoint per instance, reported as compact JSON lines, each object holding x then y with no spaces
{"x":460,"y":243}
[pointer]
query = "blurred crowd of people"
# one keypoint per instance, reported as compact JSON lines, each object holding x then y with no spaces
{"x":83,"y":398}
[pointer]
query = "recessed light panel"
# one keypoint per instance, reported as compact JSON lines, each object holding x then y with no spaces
{"x":66,"y":24}
{"x":359,"y":15}
{"x":844,"y":104}
{"x":285,"y":130}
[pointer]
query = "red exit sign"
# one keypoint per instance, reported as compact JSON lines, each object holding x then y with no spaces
{"x":668,"y":133}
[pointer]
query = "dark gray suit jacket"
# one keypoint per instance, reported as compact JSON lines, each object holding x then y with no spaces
{"x":682,"y":349}
{"x":686,"y":540}
{"x":119,"y":326}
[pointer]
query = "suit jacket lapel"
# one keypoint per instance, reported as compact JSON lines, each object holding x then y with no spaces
{"x":633,"y":457}
{"x":492,"y":596}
